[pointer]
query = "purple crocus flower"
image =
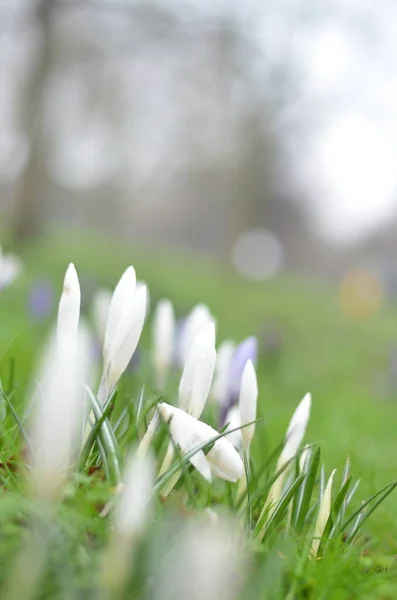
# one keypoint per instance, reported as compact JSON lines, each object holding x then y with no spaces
{"x":245,"y":351}
{"x":41,"y":300}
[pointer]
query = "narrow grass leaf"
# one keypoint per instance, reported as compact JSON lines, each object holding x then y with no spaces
{"x":306,"y":491}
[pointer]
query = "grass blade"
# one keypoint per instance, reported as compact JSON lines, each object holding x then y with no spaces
{"x":307,"y":491}
{"x":108,"y":440}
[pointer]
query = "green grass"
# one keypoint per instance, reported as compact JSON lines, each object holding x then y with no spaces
{"x":344,"y":364}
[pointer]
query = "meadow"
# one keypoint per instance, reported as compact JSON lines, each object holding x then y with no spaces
{"x":305,"y":345}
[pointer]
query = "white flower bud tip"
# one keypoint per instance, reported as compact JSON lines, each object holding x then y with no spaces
{"x":163,"y":339}
{"x":69,"y":307}
{"x":296,"y":429}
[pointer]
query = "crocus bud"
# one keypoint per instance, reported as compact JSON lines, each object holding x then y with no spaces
{"x":296,"y":430}
{"x":187,"y":432}
{"x":100,"y":312}
{"x":140,"y":284}
{"x":248,"y":401}
{"x":123,"y":339}
{"x":57,"y":411}
{"x":222,"y":372}
{"x":10,"y":269}
{"x":245,"y":351}
{"x":131,"y":516}
{"x":293,"y":439}
{"x":198,"y":372}
{"x":69,"y":307}
{"x":121,"y":299}
{"x":204,"y":561}
{"x":323,"y":515}
{"x":163,"y":339}
{"x":132,"y":509}
{"x":199,"y":317}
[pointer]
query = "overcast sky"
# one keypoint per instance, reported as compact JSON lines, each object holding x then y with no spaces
{"x":344,"y":56}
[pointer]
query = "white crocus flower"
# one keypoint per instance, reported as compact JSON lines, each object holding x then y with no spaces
{"x":163,"y":340}
{"x":133,"y":507}
{"x":196,"y":380}
{"x":296,"y":430}
{"x":57,"y":412}
{"x":293,"y":440}
{"x":141,"y":284}
{"x":69,"y":307}
{"x":205,"y":561}
{"x":100,"y":311}
{"x":195,"y":383}
{"x":125,"y":323}
{"x":121,"y":298}
{"x":198,"y":372}
{"x":199,"y":317}
{"x":10,"y":269}
{"x":131,"y":515}
{"x":323,"y":515}
{"x":220,"y":384}
{"x":247,"y":402}
{"x":187,"y":432}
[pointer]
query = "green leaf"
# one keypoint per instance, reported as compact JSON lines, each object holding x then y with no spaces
{"x":306,"y":491}
{"x":17,"y":419}
{"x":94,"y":433}
{"x":108,"y":439}
{"x":279,"y":511}
{"x":383,"y":493}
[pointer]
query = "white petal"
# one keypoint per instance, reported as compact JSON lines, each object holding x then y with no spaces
{"x":163,"y":337}
{"x":121,"y":299}
{"x":205,"y":561}
{"x":134,"y":504}
{"x":100,"y":312}
{"x":198,"y":372}
{"x":296,"y":429}
{"x":125,"y":337}
{"x":57,"y":408}
{"x":248,"y":402}
{"x":226,"y":461}
{"x":10,"y":269}
{"x":198,"y":318}
{"x":188,"y":432}
{"x":140,"y":284}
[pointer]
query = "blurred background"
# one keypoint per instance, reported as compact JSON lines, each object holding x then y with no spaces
{"x":264,"y":133}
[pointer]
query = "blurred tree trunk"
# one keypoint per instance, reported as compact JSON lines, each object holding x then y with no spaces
{"x":29,"y":216}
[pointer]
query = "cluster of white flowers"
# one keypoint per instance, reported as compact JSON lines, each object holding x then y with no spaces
{"x":60,"y":413}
